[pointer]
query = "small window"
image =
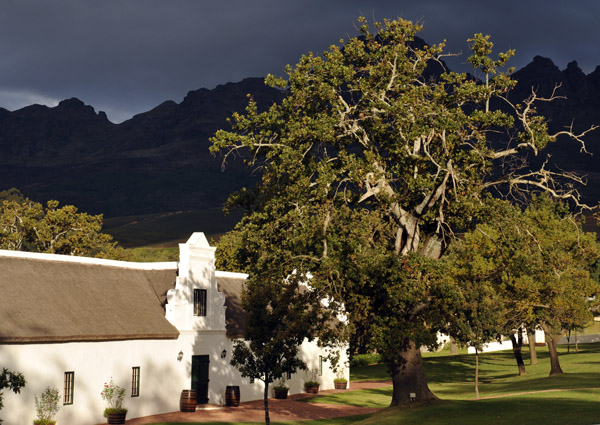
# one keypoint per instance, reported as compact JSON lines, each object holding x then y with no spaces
{"x":199,"y":302}
{"x":135,"y":381}
{"x":69,"y":387}
{"x":320,"y":365}
{"x":252,"y":379}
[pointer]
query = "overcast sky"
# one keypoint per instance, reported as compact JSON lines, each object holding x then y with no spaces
{"x":127,"y":56}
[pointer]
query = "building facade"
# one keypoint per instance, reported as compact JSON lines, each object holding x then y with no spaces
{"x":154,"y":328}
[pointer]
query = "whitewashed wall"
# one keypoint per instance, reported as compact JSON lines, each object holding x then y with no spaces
{"x":162,"y":375}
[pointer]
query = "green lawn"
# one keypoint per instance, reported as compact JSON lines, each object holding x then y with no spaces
{"x":451,"y":379}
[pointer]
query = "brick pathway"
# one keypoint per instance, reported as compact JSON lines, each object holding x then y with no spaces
{"x":279,"y":410}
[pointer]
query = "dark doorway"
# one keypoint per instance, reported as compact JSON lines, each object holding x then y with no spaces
{"x":200,"y":378}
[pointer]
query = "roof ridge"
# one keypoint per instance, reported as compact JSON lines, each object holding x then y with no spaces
{"x":165,"y":265}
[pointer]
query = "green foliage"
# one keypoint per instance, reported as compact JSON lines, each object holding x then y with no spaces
{"x":29,"y":226}
{"x":151,"y":254}
{"x":14,"y":381}
{"x":47,"y":406}
{"x":535,"y":264}
{"x":12,"y":194}
{"x":369,"y":165}
{"x":281,"y":314}
{"x":359,"y":360}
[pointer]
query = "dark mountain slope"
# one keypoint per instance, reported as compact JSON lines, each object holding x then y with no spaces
{"x":156,"y":161}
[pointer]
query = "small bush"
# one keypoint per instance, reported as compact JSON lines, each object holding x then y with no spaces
{"x":47,"y":406}
{"x":364,"y":360}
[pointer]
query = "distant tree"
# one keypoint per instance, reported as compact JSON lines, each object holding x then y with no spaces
{"x":28,"y":226}
{"x":538,"y":262}
{"x":369,"y":145}
{"x":479,"y":310}
{"x":12,"y":194}
{"x":14,"y":381}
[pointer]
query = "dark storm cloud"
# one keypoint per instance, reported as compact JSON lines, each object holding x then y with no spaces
{"x":126,"y":57}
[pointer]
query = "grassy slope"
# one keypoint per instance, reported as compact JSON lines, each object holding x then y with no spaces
{"x":167,"y":229}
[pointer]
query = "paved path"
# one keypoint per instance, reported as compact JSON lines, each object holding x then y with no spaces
{"x":279,"y":410}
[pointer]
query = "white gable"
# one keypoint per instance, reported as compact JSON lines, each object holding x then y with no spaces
{"x":196,"y":271}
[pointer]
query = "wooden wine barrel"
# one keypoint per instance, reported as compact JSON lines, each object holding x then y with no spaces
{"x":232,"y":396}
{"x":187,"y":401}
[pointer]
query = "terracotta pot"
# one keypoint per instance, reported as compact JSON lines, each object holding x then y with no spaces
{"x":312,"y":389}
{"x":340,"y":385}
{"x":116,"y":418}
{"x":281,"y":394}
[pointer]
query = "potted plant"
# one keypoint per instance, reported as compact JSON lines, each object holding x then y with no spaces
{"x":47,"y":406}
{"x":280,"y":390}
{"x":340,"y":382}
{"x":114,"y":396}
{"x":312,"y":385}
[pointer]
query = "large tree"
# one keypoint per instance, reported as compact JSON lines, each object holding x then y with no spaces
{"x":372,"y":161}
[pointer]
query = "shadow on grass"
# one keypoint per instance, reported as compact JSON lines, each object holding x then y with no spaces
{"x":374,"y":397}
{"x":574,"y":407}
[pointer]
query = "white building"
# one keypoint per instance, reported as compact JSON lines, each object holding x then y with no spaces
{"x":155,"y":328}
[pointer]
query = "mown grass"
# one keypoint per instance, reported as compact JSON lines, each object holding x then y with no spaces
{"x":451,"y":379}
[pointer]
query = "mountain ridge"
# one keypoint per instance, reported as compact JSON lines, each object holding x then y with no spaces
{"x":158,"y":160}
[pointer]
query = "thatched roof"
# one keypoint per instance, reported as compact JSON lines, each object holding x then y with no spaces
{"x":232,"y":285}
{"x":53,"y":298}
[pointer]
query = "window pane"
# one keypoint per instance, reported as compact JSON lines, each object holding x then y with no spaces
{"x":199,"y":302}
{"x":69,"y":387}
{"x":135,"y":381}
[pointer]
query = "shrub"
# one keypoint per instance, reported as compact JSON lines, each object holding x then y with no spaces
{"x":47,"y":406}
{"x":359,"y":360}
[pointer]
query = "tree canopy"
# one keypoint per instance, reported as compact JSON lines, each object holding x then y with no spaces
{"x":29,"y":226}
{"x":374,"y":158}
{"x":535,"y":264}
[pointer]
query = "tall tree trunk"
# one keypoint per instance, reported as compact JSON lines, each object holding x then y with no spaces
{"x":266,"y":398}
{"x":516,"y":346}
{"x":408,"y":377}
{"x":532,"y":352}
{"x":552,"y":342}
{"x":476,"y":373}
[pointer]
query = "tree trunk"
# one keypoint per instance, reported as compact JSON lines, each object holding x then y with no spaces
{"x":552,"y":342}
{"x":516,"y":346}
{"x":266,"y":398}
{"x":476,"y":373}
{"x":453,"y":347}
{"x":408,"y":377}
{"x":532,"y":352}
